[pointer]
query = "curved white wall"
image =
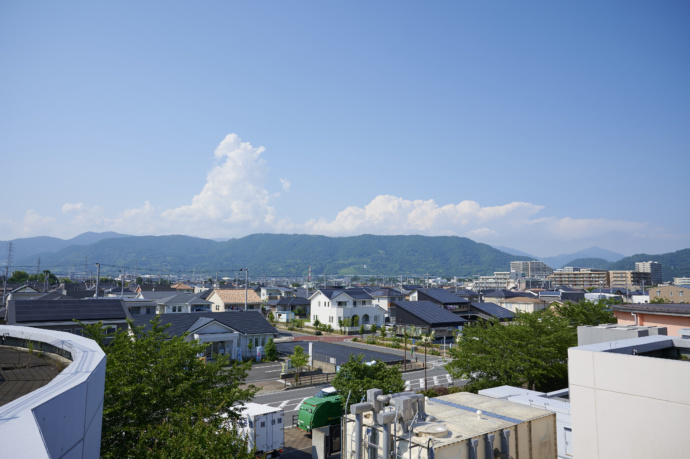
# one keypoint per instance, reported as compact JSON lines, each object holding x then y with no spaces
{"x":64,"y":417}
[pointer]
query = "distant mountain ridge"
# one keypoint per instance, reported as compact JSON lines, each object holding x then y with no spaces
{"x":292,"y":255}
{"x":286,"y":255}
{"x":562,"y":260}
{"x":24,"y":248}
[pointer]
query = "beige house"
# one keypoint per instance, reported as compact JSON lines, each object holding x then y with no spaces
{"x":670,"y":294}
{"x":521,"y":303}
{"x":233,"y":300}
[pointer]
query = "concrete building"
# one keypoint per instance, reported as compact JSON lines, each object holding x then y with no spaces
{"x":652,"y":267}
{"x":675,"y":317}
{"x":629,"y":279}
{"x":630,"y":398}
{"x":580,"y":278}
{"x":63,"y":417}
{"x":557,"y":402}
{"x":500,"y":280}
{"x":455,"y":426}
{"x":536,"y":269}
{"x":681,"y":281}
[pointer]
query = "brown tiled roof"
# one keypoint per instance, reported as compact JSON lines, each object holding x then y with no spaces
{"x":236,"y":296}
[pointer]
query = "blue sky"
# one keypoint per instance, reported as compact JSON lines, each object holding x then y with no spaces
{"x":548,"y":127}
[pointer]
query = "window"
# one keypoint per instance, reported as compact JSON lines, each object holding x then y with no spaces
{"x":217,"y":308}
{"x":671,"y":293}
{"x":680,"y":293}
{"x":263,"y":423}
{"x":658,"y":292}
{"x":330,"y":319}
{"x":376,"y":318}
{"x":280,"y":420}
{"x":319,"y":303}
{"x":313,"y":319}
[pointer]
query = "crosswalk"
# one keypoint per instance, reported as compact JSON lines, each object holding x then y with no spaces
{"x":442,"y":380}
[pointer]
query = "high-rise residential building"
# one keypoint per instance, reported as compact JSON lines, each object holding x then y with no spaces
{"x":537,"y":269}
{"x":653,"y":267}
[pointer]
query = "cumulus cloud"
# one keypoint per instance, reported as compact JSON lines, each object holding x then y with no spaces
{"x":285,"y":184}
{"x":393,"y":215}
{"x":234,"y":192}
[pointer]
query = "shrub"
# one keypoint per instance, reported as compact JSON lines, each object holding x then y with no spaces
{"x":318,"y":332}
{"x":355,"y":339}
{"x":371,"y":341}
{"x":434,"y":352}
{"x":394,"y":345}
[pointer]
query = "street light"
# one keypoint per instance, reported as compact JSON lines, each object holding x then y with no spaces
{"x":246,"y":279}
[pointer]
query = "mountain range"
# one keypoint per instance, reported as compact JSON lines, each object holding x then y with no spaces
{"x":283,"y":255}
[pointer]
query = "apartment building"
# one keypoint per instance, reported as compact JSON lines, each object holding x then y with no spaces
{"x":629,"y":279}
{"x":537,"y":269}
{"x":652,"y":267}
{"x":583,"y":278}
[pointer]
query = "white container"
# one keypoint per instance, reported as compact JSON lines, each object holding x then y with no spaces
{"x":262,"y":426}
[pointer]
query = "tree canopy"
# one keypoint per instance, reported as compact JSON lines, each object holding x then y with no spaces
{"x":298,"y":359}
{"x":355,"y":377}
{"x":586,"y":312}
{"x":532,"y":350}
{"x":162,"y":400}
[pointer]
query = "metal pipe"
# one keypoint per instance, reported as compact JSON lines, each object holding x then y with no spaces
{"x":358,"y":409}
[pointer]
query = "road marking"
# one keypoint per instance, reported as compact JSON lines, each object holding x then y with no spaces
{"x":282,"y":405}
{"x":421,"y":382}
{"x":407,"y":385}
{"x":272,"y":371}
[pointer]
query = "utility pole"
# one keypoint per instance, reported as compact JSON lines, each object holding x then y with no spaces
{"x":7,"y":270}
{"x":246,"y":283}
{"x":98,"y":278}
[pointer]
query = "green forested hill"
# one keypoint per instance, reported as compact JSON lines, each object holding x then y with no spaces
{"x":595,"y":263}
{"x":289,"y":255}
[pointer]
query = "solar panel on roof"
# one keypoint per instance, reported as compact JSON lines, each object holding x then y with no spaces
{"x":494,"y":310}
{"x":430,"y":313}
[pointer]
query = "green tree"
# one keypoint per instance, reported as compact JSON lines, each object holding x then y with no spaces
{"x":355,"y":320}
{"x":361,"y":331}
{"x":271,"y":350}
{"x":531,"y":351}
{"x":271,"y":317}
{"x":355,"y":377}
{"x":298,"y":359}
{"x":18,"y":277}
{"x":161,"y":399}
{"x":374,"y":328}
{"x":139,"y":280}
{"x":382,"y":332}
{"x":586,"y":312}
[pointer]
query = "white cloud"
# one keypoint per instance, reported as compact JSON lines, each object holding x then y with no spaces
{"x":285,"y":184}
{"x":233,"y":196}
{"x":393,"y":215}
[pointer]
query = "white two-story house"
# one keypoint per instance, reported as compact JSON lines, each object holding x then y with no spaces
{"x":330,"y":306}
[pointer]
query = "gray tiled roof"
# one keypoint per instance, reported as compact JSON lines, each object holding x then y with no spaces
{"x":245,"y":322}
{"x":27,"y":311}
{"x":355,"y":293}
